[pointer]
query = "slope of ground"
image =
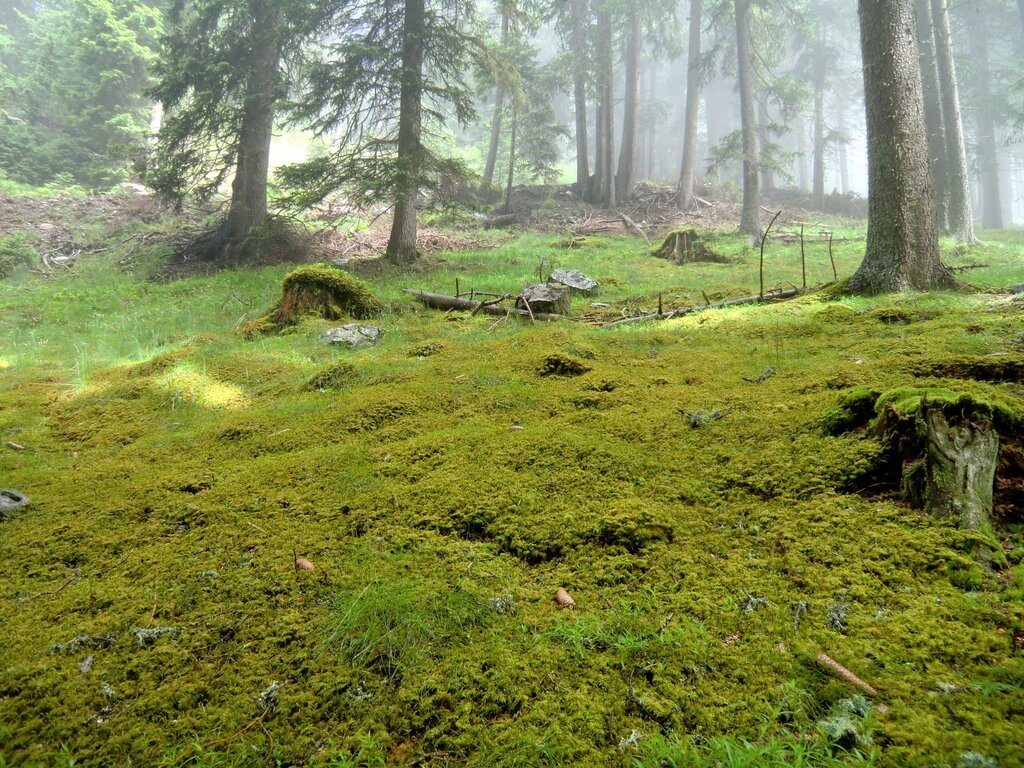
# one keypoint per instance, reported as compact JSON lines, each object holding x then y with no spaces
{"x":680,"y":488}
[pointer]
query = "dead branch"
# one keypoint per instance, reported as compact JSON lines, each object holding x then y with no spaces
{"x":770,"y":296}
{"x":440,"y":301}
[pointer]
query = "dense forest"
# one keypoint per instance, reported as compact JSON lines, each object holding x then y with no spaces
{"x":509,"y":383}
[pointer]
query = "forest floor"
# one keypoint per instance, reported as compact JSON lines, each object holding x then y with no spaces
{"x":675,"y":477}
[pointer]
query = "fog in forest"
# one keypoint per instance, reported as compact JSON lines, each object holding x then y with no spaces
{"x":570,"y":79}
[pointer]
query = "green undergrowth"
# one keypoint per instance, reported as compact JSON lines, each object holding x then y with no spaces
{"x":445,"y":484}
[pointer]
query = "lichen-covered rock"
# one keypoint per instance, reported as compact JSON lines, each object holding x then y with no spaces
{"x":575,"y":281}
{"x":354,"y":335}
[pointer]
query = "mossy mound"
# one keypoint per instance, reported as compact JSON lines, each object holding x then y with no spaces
{"x":685,"y":246}
{"x":319,"y":292}
{"x":1000,"y":368}
{"x":854,"y":409}
{"x":332,"y":377}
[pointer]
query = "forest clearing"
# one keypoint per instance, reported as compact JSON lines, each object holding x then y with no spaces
{"x":498,"y":383}
{"x":679,"y":478}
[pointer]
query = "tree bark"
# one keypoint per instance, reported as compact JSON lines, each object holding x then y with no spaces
{"x":688,"y":173}
{"x":499,"y":105}
{"x":579,"y":90}
{"x":604,"y":166}
{"x":933,"y":112}
{"x":248,"y":207}
{"x":818,"y":172}
{"x":961,"y":218}
{"x":767,"y":174}
{"x":507,"y":207}
{"x":1020,"y":6}
{"x":402,"y":242}
{"x":902,"y":242}
{"x":801,"y":155}
{"x":625,"y":176}
{"x":988,"y":149}
{"x":750,"y":219}
{"x":844,"y":165}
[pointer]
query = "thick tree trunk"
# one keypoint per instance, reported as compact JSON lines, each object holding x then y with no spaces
{"x":688,"y":170}
{"x":248,"y":208}
{"x":1020,"y":6}
{"x":402,"y":243}
{"x":750,"y":219}
{"x":933,"y":112}
{"x":652,"y":127}
{"x":988,"y":148}
{"x":579,"y":90}
{"x":625,"y":176}
{"x":688,"y":173}
{"x":902,"y":243}
{"x":499,"y":106}
{"x":961,"y":218}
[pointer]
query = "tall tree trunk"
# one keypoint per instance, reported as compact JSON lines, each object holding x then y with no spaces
{"x":802,"y":174}
{"x":625,"y":176}
{"x":499,"y":106}
{"x":688,"y":173}
{"x":902,"y":244}
{"x":988,"y":149}
{"x":1020,"y":6}
{"x":507,"y":207}
{"x":933,"y":112}
{"x":248,"y":208}
{"x":750,"y":219}
{"x":844,"y":164}
{"x":961,"y":218}
{"x":652,"y":128}
{"x":402,"y":243}
{"x":604,"y":165}
{"x":767,"y":173}
{"x":579,"y":91}
{"x":818,"y":168}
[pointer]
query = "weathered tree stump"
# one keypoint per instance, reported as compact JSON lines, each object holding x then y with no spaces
{"x":575,"y":281}
{"x":955,"y":474}
{"x":546,"y":298}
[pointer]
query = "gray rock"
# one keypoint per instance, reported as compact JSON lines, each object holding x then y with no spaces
{"x":575,"y":280}
{"x":1018,"y":288}
{"x":10,"y":501}
{"x":354,"y":335}
{"x":547,"y":298}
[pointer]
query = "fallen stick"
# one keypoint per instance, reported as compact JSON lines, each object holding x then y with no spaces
{"x":630,"y":224}
{"x":838,"y":671}
{"x":440,"y":301}
{"x":770,"y":296}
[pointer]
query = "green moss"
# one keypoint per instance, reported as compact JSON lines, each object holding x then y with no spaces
{"x":855,"y":408}
{"x":16,"y":251}
{"x":334,"y":376}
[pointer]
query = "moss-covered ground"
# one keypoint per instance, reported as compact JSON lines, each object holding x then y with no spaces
{"x":681,"y":487}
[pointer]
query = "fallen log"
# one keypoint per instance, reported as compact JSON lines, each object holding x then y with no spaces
{"x":788,"y":293}
{"x":440,"y":301}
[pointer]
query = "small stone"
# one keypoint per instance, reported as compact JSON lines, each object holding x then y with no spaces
{"x":11,"y":501}
{"x":354,"y":335}
{"x":1018,"y":288}
{"x":85,"y":665}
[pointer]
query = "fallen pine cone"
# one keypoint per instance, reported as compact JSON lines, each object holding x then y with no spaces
{"x":564,"y":599}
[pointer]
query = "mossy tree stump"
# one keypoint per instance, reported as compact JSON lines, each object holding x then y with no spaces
{"x":319,"y":292}
{"x":685,"y":246}
{"x":956,"y":473}
{"x":949,"y":446}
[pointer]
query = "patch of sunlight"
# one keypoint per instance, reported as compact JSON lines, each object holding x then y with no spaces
{"x":5,"y":364}
{"x":184,"y":383}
